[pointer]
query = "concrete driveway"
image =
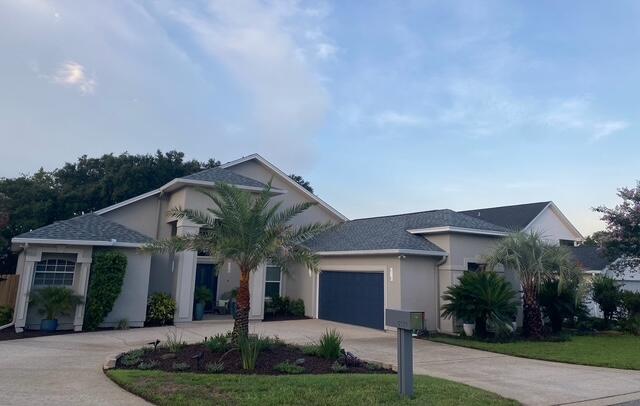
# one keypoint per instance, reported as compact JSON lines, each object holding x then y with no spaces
{"x":67,"y":369}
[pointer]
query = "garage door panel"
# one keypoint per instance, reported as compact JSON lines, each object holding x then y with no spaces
{"x":352,"y":297}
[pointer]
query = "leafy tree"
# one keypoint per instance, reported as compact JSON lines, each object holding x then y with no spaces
{"x":300,"y":181}
{"x":481,"y":297}
{"x":248,"y":229}
{"x":535,"y":261}
{"x":105,"y":283}
{"x":621,"y":242}
{"x":31,"y":201}
{"x":607,"y":294}
{"x":595,"y":239}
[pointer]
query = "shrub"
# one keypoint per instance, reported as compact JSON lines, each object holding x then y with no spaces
{"x":287,"y":367}
{"x":330,"y":344}
{"x":311,"y":350}
{"x":54,"y":301}
{"x":105,"y":284}
{"x":174,"y":342}
{"x":297,"y":307}
{"x":6,"y":315}
{"x":480,"y":297}
{"x":631,"y":324}
{"x":267,"y":343}
{"x":123,"y":324}
{"x":630,"y":303}
{"x":161,"y":308}
{"x":607,"y":294}
{"x":280,"y":304}
{"x":338,"y":367}
{"x":215,"y":367}
{"x":218,"y":343}
{"x":203,"y":294}
{"x":132,"y":357}
{"x":180,"y":366}
{"x":560,"y":302}
{"x":249,"y":350}
{"x":147,"y":365}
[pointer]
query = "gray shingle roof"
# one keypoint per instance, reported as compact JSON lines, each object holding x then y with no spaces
{"x":390,"y":232}
{"x":514,"y":218}
{"x":588,"y":258}
{"x":225,"y":176}
{"x":88,"y":227}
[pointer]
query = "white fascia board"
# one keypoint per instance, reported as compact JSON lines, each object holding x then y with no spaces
{"x":383,"y":252}
{"x":47,"y":241}
{"x":128,"y":201}
{"x":295,"y":184}
{"x":447,"y":229}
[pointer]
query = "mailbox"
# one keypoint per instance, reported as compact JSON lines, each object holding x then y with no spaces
{"x":406,"y":320}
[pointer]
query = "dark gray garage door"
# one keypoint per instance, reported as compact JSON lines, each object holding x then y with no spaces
{"x":352,"y":297}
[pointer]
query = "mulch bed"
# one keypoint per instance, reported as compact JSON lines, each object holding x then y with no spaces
{"x":9,"y":333}
{"x":282,"y":317}
{"x":267,"y":360}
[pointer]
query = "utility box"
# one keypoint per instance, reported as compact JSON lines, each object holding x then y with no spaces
{"x":404,"y":319}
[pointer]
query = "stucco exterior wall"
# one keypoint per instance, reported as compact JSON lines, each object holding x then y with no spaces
{"x":419,"y":288}
{"x":299,"y":283}
{"x":257,"y":171}
{"x":141,"y":216}
{"x":132,"y":302}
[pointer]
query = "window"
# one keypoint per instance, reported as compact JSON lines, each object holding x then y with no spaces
{"x":567,"y":243}
{"x":272,"y":281}
{"x":475,"y":267}
{"x":55,"y":270}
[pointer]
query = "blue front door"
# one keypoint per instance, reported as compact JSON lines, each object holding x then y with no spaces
{"x":206,"y":276}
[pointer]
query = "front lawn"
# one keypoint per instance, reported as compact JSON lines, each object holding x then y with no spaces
{"x":165,"y":388}
{"x":602,"y":350}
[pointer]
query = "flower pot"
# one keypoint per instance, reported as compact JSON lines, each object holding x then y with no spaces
{"x":199,"y":311}
{"x":48,"y":325}
{"x":469,"y":329}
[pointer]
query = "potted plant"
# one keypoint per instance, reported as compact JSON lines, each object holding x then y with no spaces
{"x":469,"y":327}
{"x":203,"y":296}
{"x":54,"y":301}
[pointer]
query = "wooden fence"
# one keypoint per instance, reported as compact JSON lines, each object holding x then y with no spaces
{"x":8,"y":289}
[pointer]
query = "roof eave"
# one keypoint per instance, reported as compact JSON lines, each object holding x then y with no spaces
{"x":461,"y":230}
{"x":179,"y":182}
{"x":96,"y":243}
{"x":383,"y":252}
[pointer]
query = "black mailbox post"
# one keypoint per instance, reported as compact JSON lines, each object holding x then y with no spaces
{"x":405,"y":321}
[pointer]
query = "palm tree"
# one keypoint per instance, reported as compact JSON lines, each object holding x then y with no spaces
{"x":535,"y":261}
{"x":245,"y":228}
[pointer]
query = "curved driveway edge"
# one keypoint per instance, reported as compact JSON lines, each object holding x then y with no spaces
{"x":67,"y":369}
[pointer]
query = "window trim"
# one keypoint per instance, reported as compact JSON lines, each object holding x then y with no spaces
{"x":266,"y":280}
{"x":53,"y":262}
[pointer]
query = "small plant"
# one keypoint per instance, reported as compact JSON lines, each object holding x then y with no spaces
{"x":6,"y":315}
{"x":372,"y":366}
{"x":54,"y":301}
{"x":160,"y":308}
{"x":330,"y":344}
{"x":215,"y":367}
{"x":132,"y":357}
{"x":218,"y":343}
{"x":280,"y":304}
{"x":249,"y":350}
{"x":607,"y":294}
{"x":287,"y":367}
{"x":296,"y":307}
{"x":311,"y":350}
{"x":203,"y":294}
{"x":268,"y":343}
{"x":338,"y":367}
{"x":123,"y":324}
{"x":180,"y":366}
{"x":147,"y":365}
{"x":174,"y":342}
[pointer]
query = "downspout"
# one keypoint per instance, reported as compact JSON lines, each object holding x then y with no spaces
{"x":438,"y":264}
{"x":13,"y":321}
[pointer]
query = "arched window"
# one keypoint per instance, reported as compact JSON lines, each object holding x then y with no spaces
{"x":55,"y":271}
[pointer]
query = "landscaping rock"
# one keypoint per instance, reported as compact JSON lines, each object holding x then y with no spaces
{"x":300,"y":361}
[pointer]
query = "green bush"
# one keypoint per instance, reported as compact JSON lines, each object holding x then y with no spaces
{"x":54,"y":301}
{"x":330,"y":344}
{"x":280,"y":304}
{"x":218,"y":343}
{"x":606,"y":292}
{"x":132,"y":358}
{"x":287,"y":367}
{"x":481,"y":297}
{"x":311,"y":350}
{"x":296,"y":307}
{"x":203,"y":294}
{"x":6,"y":315}
{"x":180,"y":366}
{"x":105,"y":284}
{"x":249,"y":350}
{"x":160,"y":308}
{"x":338,"y":367}
{"x":147,"y":365}
{"x":630,"y":303}
{"x":561,"y":302}
{"x":174,"y":342}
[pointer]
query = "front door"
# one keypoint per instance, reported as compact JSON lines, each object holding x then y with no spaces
{"x":206,"y":276}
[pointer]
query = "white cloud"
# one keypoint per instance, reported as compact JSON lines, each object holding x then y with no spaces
{"x":606,"y":128}
{"x":325,"y":50}
{"x":394,"y":118}
{"x":73,"y":74}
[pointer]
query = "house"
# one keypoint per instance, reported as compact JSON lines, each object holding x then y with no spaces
{"x":367,"y":265}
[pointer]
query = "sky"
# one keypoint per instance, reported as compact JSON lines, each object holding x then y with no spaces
{"x":385,"y":107}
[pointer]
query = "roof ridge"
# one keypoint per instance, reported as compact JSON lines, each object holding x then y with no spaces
{"x":399,"y":214}
{"x":508,"y":205}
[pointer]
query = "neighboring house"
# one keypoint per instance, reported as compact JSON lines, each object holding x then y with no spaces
{"x":399,"y":261}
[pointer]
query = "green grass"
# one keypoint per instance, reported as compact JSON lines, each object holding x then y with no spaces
{"x":163,"y":388}
{"x":603,"y":350}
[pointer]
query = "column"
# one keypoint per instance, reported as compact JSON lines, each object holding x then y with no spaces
{"x":185,"y":275}
{"x":81,"y":284}
{"x":22,"y":300}
{"x":256,"y":291}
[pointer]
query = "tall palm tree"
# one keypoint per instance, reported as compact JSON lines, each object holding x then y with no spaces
{"x":245,"y":228}
{"x":535,"y":261}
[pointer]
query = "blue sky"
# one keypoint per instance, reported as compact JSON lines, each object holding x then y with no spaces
{"x":385,"y":107}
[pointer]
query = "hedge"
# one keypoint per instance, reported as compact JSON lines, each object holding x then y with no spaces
{"x":105,"y":283}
